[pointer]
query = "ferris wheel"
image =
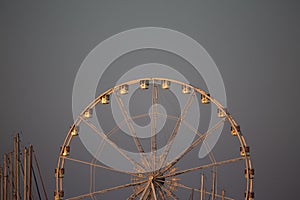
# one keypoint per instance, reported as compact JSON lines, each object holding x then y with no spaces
{"x":151,"y":150}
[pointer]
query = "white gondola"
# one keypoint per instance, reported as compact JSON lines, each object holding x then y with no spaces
{"x":245,"y":152}
{"x":75,"y":130}
{"x":222,"y":112}
{"x":60,"y":172}
{"x":123,"y":89}
{"x":249,"y":174}
{"x":144,"y":84}
{"x":235,"y":130}
{"x":105,"y":99}
{"x":249,"y":196}
{"x":165,"y":84}
{"x":205,"y":99}
{"x":88,"y":113}
{"x":66,"y":151}
{"x":186,"y":89}
{"x":59,"y":195}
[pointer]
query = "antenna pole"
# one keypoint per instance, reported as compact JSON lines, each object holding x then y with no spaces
{"x":202,"y":194}
{"x":1,"y":183}
{"x":192,"y":195}
{"x":16,"y":166}
{"x":30,"y":173}
{"x":214,"y":186}
{"x":25,"y":174}
{"x":10,"y":176}
{"x":223,"y":194}
{"x":5,"y":177}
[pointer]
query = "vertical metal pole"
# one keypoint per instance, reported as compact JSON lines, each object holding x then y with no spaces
{"x":5,"y":177}
{"x":10,"y":176}
{"x":40,"y":176}
{"x":192,"y":195}
{"x":16,"y":166}
{"x":25,"y":175}
{"x":223,"y":194}
{"x":29,"y":173}
{"x":1,"y":183}
{"x":213,"y":186}
{"x":202,"y":188}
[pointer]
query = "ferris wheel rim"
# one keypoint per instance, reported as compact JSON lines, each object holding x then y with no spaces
{"x":228,"y":116}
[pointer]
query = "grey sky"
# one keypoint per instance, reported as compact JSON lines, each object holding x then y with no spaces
{"x":255,"y":44}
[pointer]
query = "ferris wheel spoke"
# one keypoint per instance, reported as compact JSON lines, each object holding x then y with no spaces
{"x":197,"y":190}
{"x":102,"y":143}
{"x":153,"y":191}
{"x":93,"y":167}
{"x":180,"y":185}
{"x":206,"y":145}
{"x":94,"y":160}
{"x":159,"y":190}
{"x":203,"y":167}
{"x":132,"y":131}
{"x":153,"y":125}
{"x":193,"y":145}
{"x":98,"y":166}
{"x":176,"y":128}
{"x":145,"y":190}
{"x":135,"y":194}
{"x":114,"y":145}
{"x":107,"y":190}
{"x":113,"y":131}
{"x":169,"y":192}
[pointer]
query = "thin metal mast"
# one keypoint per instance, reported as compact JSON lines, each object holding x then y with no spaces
{"x":25,"y":175}
{"x":16,"y":167}
{"x":223,"y":194}
{"x":10,"y":176}
{"x":29,"y":173}
{"x":214,"y":185}
{"x":202,"y":195}
{"x":1,"y":183}
{"x":5,"y":166}
{"x":192,"y":195}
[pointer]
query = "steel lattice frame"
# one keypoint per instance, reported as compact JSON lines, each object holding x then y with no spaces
{"x":158,"y":184}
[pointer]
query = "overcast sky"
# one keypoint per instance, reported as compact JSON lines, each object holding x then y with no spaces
{"x":255,"y":45}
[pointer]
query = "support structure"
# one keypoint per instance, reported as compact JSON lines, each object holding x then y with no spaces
{"x":17,"y":173}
